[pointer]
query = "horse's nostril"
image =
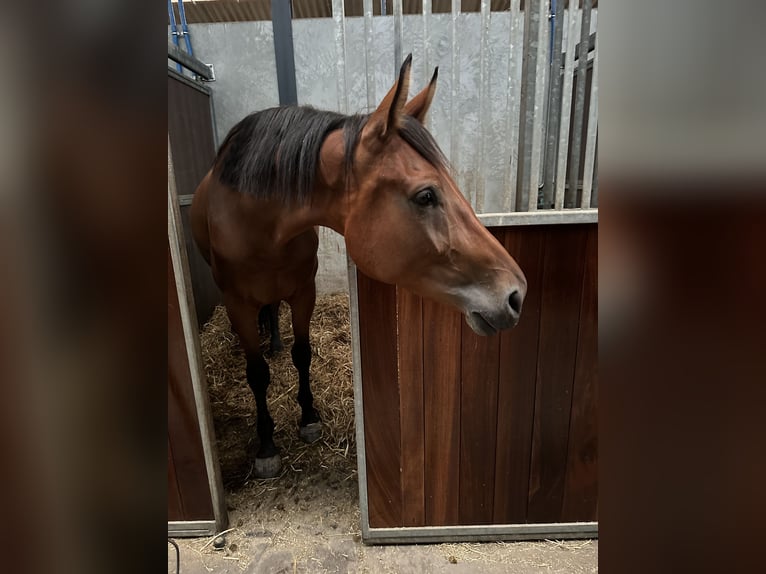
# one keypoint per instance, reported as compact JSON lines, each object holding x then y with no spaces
{"x":515,"y":301}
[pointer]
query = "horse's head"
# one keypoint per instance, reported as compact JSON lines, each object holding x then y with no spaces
{"x":408,"y":223}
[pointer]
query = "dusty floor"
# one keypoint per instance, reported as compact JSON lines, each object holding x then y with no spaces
{"x":307,"y":519}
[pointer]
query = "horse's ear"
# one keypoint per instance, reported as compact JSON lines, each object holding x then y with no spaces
{"x":418,"y":106}
{"x":388,"y":116}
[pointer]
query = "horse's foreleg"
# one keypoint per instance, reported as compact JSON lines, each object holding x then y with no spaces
{"x":244,"y":321}
{"x":302,"y":306}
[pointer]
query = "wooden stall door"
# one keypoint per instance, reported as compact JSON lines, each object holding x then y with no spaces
{"x":462,"y":429}
{"x":189,"y":497}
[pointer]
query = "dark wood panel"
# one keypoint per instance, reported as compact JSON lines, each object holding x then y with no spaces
{"x":377,"y":337}
{"x":441,"y":384}
{"x":478,"y":426}
{"x":190,"y":128}
{"x":175,"y":506}
{"x":410,"y":318}
{"x":581,"y":487}
{"x":183,"y":428}
{"x":559,"y":315}
{"x":516,"y":391}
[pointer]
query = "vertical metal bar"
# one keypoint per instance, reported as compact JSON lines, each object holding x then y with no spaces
{"x":454,"y":93}
{"x":369,"y":61}
{"x":174,"y":31}
{"x":481,"y":162}
{"x":512,"y":112}
{"x":540,"y":111}
{"x":554,"y":107}
{"x":281,"y":22}
{"x":339,"y":17}
{"x":594,"y":192}
{"x":356,"y":368}
{"x":526,"y":198}
{"x":427,"y":8}
{"x":570,"y":198}
{"x":397,"y":37}
{"x":590,"y":141}
{"x":566,"y":106}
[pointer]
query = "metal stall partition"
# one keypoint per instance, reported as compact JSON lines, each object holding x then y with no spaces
{"x":467,"y":438}
{"x":196,"y":505}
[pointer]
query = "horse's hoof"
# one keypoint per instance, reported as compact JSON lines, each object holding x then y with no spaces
{"x":268,"y":467}
{"x":311,"y":432}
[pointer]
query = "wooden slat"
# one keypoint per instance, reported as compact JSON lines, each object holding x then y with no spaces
{"x":175,"y":506}
{"x":377,"y":338}
{"x":441,"y":383}
{"x":516,"y":391}
{"x":183,"y":428}
{"x":410,"y":330}
{"x":581,"y":486}
{"x":478,"y":426}
{"x":559,"y":315}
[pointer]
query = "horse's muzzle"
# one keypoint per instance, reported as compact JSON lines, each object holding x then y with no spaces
{"x":488,"y":322}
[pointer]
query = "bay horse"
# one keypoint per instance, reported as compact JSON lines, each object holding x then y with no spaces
{"x":378,"y":179}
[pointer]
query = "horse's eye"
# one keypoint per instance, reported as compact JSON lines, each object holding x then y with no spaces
{"x":425,"y":197}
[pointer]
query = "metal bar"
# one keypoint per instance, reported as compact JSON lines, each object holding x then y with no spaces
{"x":427,"y":10}
{"x":397,"y":37}
{"x":189,"y":82}
{"x":282,"y":25}
{"x":191,"y":528}
{"x":338,"y":15}
{"x":566,"y":106}
{"x":369,"y":62}
{"x":570,"y":197}
{"x":481,"y":160}
{"x":454,"y":94}
{"x":190,"y":328}
{"x":356,"y":367}
{"x":591,"y":43}
{"x":185,"y":199}
{"x":185,"y":27}
{"x":483,"y":533}
{"x":541,"y":217}
{"x":189,"y":62}
{"x":590,"y":140}
{"x":540,"y":108}
{"x":174,"y":31}
{"x":554,"y":108}
{"x":427,"y":46}
{"x":526,"y":198}
{"x":512,"y":111}
{"x":594,"y":193}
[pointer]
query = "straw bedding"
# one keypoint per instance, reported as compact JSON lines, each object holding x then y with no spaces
{"x":233,"y":405}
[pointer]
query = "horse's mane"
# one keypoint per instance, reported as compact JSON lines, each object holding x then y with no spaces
{"x":274,"y":153}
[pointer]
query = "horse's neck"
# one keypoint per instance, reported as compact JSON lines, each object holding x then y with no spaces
{"x":327,"y":207}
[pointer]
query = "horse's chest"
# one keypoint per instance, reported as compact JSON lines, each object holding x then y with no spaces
{"x":267,"y":272}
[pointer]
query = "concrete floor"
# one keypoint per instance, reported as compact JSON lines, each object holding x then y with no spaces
{"x":346,"y":554}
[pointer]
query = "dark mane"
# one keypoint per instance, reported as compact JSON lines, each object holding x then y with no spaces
{"x":274,"y":153}
{"x":421,"y":140}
